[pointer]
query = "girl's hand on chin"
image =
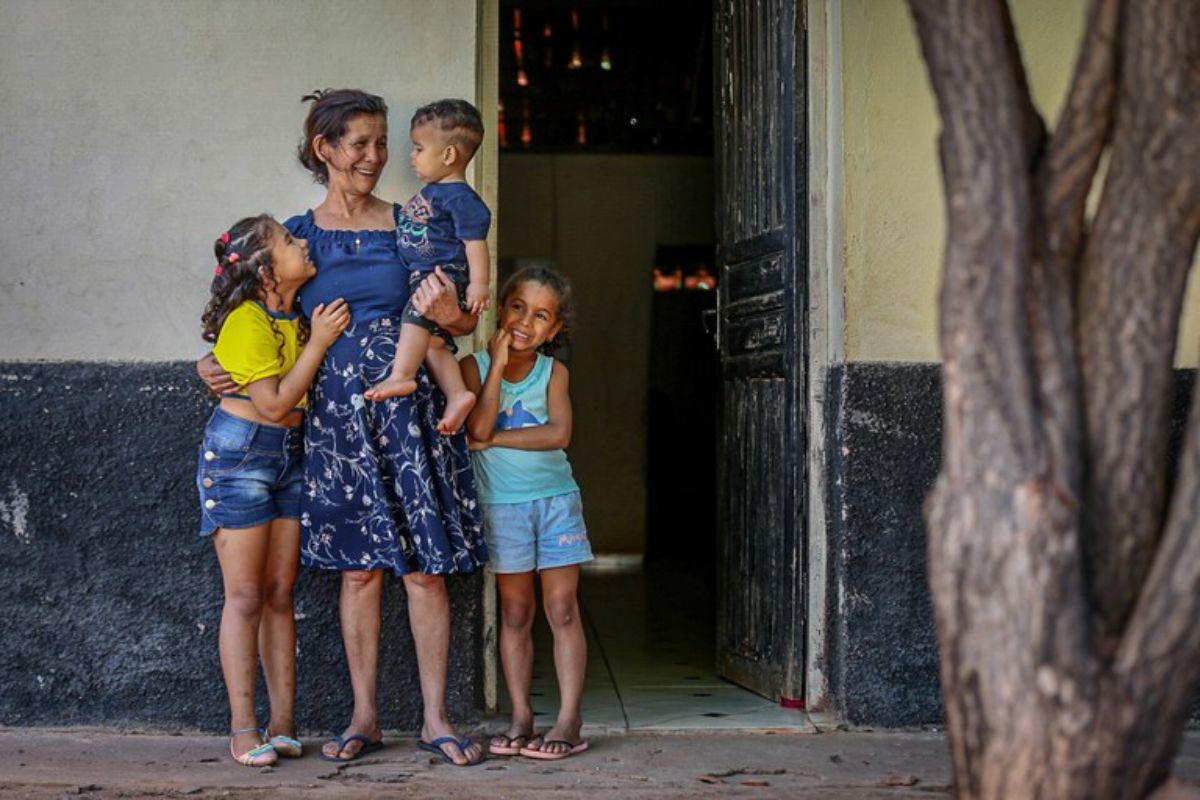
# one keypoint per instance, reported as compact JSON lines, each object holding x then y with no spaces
{"x":498,"y":348}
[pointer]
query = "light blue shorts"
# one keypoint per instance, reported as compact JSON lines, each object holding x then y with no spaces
{"x":536,"y":535}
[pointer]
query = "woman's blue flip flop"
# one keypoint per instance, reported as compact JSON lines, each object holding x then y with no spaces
{"x":368,"y":746}
{"x":435,"y":747}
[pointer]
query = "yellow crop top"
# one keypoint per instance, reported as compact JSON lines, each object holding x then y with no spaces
{"x":248,"y":349}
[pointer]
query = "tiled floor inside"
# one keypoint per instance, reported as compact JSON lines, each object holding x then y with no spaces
{"x":651,"y":661}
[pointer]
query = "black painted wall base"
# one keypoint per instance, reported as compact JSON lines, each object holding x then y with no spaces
{"x":111,"y":601}
{"x":886,"y":420}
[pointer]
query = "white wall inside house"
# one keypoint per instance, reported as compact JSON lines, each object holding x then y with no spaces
{"x":599,"y":218}
{"x":136,"y":131}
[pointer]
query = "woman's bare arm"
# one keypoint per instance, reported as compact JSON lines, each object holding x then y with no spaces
{"x":214,"y":375}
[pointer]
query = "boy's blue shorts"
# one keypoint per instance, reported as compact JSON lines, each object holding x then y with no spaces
{"x":539,"y":534}
{"x":247,"y":473}
{"x":460,"y":275}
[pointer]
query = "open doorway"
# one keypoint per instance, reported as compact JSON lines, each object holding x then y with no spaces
{"x":607,"y":173}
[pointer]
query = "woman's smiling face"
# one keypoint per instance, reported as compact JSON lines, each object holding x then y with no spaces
{"x":357,"y":160}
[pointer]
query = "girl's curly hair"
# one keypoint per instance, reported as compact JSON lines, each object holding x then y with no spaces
{"x":555,"y":281}
{"x":243,"y":261}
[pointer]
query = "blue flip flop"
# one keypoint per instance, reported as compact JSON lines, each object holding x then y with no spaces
{"x":368,"y":746}
{"x":435,"y":747}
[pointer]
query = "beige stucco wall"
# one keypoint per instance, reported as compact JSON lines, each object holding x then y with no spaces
{"x":137,"y":130}
{"x":600,"y":218}
{"x":893,"y":211}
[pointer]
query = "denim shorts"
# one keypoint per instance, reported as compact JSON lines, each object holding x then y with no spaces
{"x":248,"y":473}
{"x":459,"y":274}
{"x":538,"y":534}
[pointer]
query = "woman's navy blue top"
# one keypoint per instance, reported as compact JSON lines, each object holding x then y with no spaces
{"x":361,"y":266}
{"x":382,"y":488}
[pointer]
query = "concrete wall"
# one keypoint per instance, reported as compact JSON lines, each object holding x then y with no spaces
{"x":600,"y":218}
{"x":136,"y":131}
{"x":893,"y":210}
{"x":884,"y":394}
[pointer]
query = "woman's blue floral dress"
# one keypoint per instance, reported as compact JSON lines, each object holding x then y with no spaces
{"x":382,"y":489}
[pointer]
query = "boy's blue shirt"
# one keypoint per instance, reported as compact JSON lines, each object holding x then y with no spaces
{"x":434,"y":224}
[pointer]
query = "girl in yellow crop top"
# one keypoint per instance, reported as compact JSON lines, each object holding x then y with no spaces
{"x":249,"y":468}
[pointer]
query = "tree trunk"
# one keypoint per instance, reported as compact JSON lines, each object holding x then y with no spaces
{"x":1065,"y":585}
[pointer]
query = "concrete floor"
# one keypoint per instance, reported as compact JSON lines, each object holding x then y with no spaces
{"x":661,"y":724}
{"x":651,"y":660}
{"x":106,"y":765}
{"x":100,"y":764}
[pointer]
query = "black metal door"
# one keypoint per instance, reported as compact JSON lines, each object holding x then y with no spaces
{"x":761,"y":335}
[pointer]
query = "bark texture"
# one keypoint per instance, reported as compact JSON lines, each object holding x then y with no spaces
{"x":1065,"y":576}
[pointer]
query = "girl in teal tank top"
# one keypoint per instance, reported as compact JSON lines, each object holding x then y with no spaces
{"x":532,"y":515}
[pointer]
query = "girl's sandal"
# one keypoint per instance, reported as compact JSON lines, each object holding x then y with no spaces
{"x":285,"y":746}
{"x":504,"y":745}
{"x":263,"y":755}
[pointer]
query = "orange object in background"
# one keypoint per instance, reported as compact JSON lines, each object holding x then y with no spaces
{"x":667,"y":281}
{"x":701,"y":280}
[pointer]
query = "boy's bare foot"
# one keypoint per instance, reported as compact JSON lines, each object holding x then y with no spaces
{"x":392,"y":387}
{"x":457,"y":409}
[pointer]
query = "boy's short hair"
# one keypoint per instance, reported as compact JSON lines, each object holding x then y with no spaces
{"x":459,"y":119}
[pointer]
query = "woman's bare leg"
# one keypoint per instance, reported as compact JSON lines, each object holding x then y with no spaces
{"x":359,"y":609}
{"x":429,"y":619}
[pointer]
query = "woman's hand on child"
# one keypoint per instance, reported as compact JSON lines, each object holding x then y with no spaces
{"x":498,"y":348}
{"x":479,"y":298}
{"x":328,"y":322}
{"x":214,"y":375}
{"x":435,"y":298}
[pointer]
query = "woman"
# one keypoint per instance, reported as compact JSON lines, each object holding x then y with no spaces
{"x":383,"y":491}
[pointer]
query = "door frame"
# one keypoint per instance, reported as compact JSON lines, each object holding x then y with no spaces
{"x":826,"y":326}
{"x":486,"y":179}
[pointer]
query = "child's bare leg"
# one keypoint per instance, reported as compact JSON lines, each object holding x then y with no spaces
{"x":410,"y":352}
{"x":559,"y":587}
{"x":448,"y":375}
{"x":242,"y":554}
{"x":277,"y":633}
{"x":517,"y":607}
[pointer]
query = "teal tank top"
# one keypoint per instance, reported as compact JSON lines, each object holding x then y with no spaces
{"x":505,"y":475}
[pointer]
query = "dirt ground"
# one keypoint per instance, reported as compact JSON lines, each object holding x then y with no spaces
{"x":77,"y":763}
